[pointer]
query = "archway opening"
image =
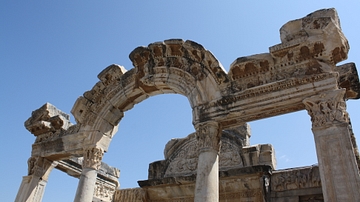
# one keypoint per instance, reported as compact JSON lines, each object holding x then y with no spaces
{"x":291,"y":137}
{"x":143,"y":133}
{"x":60,"y":187}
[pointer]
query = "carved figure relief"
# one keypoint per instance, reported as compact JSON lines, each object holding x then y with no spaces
{"x":104,"y":192}
{"x":184,"y":160}
{"x":296,"y":179}
{"x":229,"y":156}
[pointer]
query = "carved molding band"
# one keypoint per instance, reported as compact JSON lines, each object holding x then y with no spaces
{"x":208,"y":136}
{"x":327,"y":108}
{"x":92,"y":158}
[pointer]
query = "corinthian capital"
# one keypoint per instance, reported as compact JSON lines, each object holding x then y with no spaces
{"x":40,"y":167}
{"x":208,"y":136}
{"x":327,"y":108}
{"x":92,"y":158}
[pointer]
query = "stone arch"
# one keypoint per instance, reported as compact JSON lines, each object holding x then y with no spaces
{"x":172,"y":66}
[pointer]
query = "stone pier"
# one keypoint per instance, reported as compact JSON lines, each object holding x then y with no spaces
{"x":336,"y":156}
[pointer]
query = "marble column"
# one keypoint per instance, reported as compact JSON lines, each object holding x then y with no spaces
{"x":32,"y":187}
{"x":207,"y":179}
{"x":91,"y":164}
{"x":337,"y":163}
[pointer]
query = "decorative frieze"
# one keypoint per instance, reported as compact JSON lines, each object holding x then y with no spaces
{"x":104,"y":191}
{"x":327,"y":108}
{"x":127,"y":195}
{"x":92,"y":158}
{"x":301,"y":178}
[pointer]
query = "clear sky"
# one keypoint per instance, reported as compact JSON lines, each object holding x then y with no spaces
{"x":52,"y":51}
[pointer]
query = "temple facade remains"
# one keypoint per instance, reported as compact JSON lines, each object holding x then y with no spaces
{"x":216,"y":162}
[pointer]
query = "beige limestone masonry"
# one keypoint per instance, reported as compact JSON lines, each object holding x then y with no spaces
{"x":300,"y":73}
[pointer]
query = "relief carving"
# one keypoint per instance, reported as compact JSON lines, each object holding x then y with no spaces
{"x":38,"y":166}
{"x":104,"y":191}
{"x":208,"y":136}
{"x":48,"y":123}
{"x":135,"y":194}
{"x":185,"y":162}
{"x":296,"y":179}
{"x":327,"y":108}
{"x":229,"y":155}
{"x":92,"y":158}
{"x":251,"y":195}
{"x":183,"y":156}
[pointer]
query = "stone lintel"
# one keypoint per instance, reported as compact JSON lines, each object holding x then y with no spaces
{"x":59,"y":147}
{"x":265,"y":101}
{"x":47,"y":119}
{"x":250,"y":170}
{"x":234,"y":184}
{"x":73,"y":168}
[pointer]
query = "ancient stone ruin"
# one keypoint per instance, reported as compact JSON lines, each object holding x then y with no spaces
{"x":216,"y":162}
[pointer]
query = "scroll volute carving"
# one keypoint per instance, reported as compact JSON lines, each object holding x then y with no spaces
{"x":327,"y":108}
{"x":92,"y":158}
{"x":208,"y":136}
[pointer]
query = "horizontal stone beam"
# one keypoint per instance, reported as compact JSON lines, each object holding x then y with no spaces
{"x":265,"y":101}
{"x":73,"y":168}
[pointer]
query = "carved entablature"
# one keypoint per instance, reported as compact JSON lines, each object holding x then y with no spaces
{"x":266,"y":97}
{"x":104,"y":191}
{"x":88,"y":106}
{"x":327,"y":108}
{"x":133,"y":195}
{"x":295,"y":179}
{"x":49,"y":125}
{"x":310,"y":45}
{"x":188,"y":56}
{"x":47,"y":119}
{"x":349,"y":79}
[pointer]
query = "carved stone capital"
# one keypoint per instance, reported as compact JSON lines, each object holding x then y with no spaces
{"x":208,"y":136}
{"x":92,"y":158}
{"x":40,"y":166}
{"x":327,"y":108}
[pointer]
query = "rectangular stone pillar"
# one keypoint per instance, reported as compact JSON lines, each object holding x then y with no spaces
{"x":337,"y":163}
{"x":32,"y":187}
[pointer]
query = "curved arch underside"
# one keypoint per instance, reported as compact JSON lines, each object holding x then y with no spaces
{"x":256,"y":87}
{"x":172,"y":66}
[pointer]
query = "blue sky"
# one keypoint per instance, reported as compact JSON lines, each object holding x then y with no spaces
{"x":52,"y":51}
